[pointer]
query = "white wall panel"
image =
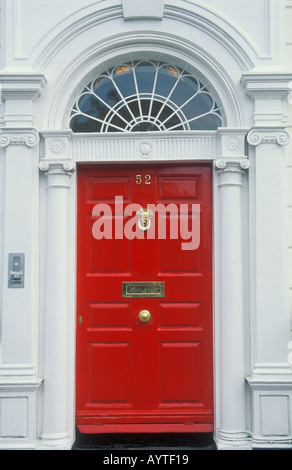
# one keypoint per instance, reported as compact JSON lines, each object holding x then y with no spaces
{"x":13,"y":413}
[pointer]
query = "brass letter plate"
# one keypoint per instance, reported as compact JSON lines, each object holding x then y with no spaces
{"x":143,"y":289}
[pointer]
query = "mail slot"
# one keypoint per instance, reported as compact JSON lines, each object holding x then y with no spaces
{"x":143,"y":289}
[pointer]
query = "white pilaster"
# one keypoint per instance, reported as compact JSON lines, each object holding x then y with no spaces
{"x":270,"y":378}
{"x":19,"y":375}
{"x":232,"y":432}
{"x":19,"y":315}
{"x":55,"y":423}
{"x":271,"y":321}
{"x":19,"y":142}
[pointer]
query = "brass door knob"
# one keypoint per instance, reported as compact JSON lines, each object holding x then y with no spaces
{"x":144,"y":316}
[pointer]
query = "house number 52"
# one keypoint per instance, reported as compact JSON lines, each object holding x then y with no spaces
{"x":147,"y":179}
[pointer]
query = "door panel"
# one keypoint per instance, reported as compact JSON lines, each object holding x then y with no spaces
{"x":180,"y":382}
{"x":113,"y":387}
{"x":134,"y":376}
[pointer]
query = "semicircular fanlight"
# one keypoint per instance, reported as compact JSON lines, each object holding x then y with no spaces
{"x":145,"y":96}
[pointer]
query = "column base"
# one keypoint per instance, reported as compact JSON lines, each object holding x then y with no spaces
{"x":55,"y":442}
{"x":227,"y":440}
{"x":284,"y":444}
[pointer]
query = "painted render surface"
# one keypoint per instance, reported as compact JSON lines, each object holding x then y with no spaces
{"x":49,"y":52}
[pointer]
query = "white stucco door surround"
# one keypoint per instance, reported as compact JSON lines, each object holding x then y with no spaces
{"x":252,"y":376}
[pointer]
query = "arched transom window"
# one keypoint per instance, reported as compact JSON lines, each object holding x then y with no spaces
{"x":145,"y":96}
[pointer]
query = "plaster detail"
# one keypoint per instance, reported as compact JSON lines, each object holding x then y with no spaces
{"x":30,"y":138}
{"x":268,"y":136}
{"x":57,"y":167}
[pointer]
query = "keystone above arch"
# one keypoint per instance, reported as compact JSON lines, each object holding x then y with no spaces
{"x":136,"y":9}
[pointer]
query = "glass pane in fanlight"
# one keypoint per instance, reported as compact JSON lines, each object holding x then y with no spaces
{"x":124,"y":112}
{"x":84,"y":124}
{"x":118,"y":122}
{"x":167,"y":77}
{"x":145,"y":75}
{"x":124,"y":79}
{"x":145,"y":127}
{"x":105,"y":89}
{"x":155,"y":108}
{"x":211,"y":122}
{"x":199,"y":105}
{"x":134,"y":107}
{"x":90,"y":105}
{"x":185,"y":89}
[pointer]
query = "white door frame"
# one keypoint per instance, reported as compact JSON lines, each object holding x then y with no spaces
{"x":224,"y":149}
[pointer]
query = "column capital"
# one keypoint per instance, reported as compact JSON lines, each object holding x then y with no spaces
{"x":267,"y":84}
{"x":232,"y":165}
{"x":268,"y":135}
{"x":57,"y":167}
{"x":28,"y":137}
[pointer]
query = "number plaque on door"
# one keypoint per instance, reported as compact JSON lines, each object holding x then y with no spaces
{"x":143,"y":289}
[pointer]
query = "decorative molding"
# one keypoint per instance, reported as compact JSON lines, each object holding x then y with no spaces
{"x":57,"y":147}
{"x":57,"y":167}
{"x":30,"y":138}
{"x":233,"y":141}
{"x":268,"y":136}
{"x":233,"y":144}
{"x":232,"y":165}
{"x":273,"y":84}
{"x":144,"y":150}
{"x":228,"y":440}
{"x":134,"y":146}
{"x":269,"y":90}
{"x":216,"y":25}
{"x":22,"y":86}
{"x":57,"y":144}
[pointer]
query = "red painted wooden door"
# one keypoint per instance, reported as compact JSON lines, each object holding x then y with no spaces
{"x":136,"y":376}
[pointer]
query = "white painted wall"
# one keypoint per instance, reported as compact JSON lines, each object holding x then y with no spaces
{"x":288,"y":62}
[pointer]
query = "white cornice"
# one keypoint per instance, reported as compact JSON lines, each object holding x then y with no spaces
{"x":28,"y":86}
{"x":273,"y":83}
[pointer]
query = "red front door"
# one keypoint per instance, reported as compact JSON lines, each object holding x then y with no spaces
{"x":149,"y":371}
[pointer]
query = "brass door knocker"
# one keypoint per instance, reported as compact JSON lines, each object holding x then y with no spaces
{"x":144,"y":219}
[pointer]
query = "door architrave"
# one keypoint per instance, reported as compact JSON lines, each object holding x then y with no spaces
{"x":223,"y":148}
